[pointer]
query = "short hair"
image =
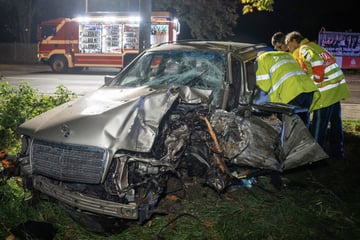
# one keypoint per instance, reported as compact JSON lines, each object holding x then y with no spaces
{"x":294,"y":36}
{"x":278,"y":37}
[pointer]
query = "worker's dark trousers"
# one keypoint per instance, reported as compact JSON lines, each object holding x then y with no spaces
{"x":319,"y":129}
{"x":304,"y":100}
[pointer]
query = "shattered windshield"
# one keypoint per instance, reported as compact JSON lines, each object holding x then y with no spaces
{"x":203,"y":70}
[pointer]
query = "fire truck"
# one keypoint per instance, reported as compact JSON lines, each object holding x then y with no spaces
{"x":99,"y":39}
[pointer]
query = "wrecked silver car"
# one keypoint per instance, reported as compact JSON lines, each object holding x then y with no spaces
{"x":180,"y":111}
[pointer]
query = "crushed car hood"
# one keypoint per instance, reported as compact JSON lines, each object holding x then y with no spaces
{"x":116,"y":118}
{"x":129,"y":119}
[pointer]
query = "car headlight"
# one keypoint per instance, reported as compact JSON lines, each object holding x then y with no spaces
{"x":25,"y":145}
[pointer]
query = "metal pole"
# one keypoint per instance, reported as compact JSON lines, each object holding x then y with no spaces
{"x":86,"y":6}
{"x":145,"y":9}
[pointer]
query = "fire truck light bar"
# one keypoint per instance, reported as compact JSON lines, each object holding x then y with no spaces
{"x":109,"y":19}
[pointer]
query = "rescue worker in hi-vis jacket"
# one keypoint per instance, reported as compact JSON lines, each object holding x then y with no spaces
{"x":330,"y":80}
{"x":281,"y":77}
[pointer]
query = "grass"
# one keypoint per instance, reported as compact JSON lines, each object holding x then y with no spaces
{"x":320,"y":201}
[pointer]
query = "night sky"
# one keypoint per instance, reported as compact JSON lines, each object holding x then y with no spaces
{"x":306,"y":16}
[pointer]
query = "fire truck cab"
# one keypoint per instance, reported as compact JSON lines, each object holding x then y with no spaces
{"x":99,"y":39}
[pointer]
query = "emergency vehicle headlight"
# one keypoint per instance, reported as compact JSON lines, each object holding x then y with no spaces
{"x":134,"y":19}
{"x":109,"y":19}
{"x":83,"y":19}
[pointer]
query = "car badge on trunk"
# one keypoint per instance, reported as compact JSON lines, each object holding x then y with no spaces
{"x":65,"y":130}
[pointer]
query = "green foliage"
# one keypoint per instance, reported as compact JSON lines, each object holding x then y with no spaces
{"x":352,"y":127}
{"x":13,"y":207}
{"x":260,"y":5}
{"x":19,"y":103}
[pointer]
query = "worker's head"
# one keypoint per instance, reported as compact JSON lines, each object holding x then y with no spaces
{"x":278,"y":41}
{"x":292,"y":40}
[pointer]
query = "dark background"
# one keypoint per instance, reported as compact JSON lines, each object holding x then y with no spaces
{"x":306,"y":16}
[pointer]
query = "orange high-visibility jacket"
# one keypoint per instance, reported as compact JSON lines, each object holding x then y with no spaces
{"x":326,"y":73}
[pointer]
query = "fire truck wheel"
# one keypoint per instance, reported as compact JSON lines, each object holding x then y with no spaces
{"x":59,"y":64}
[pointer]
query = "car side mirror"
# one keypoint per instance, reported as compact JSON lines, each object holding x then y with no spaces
{"x":108,"y":79}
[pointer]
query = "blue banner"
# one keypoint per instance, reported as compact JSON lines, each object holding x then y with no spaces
{"x":340,"y":44}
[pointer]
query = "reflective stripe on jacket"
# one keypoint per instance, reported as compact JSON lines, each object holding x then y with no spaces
{"x":322,"y":67}
{"x":280,"y":76}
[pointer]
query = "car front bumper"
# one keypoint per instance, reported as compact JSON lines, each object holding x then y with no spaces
{"x":85,"y":203}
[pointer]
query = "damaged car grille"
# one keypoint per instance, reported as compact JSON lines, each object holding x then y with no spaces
{"x":66,"y":162}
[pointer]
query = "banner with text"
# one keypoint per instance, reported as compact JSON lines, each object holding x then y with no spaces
{"x":345,"y":46}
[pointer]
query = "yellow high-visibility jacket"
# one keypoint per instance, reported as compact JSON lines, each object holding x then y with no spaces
{"x":280,"y":76}
{"x":319,"y":64}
